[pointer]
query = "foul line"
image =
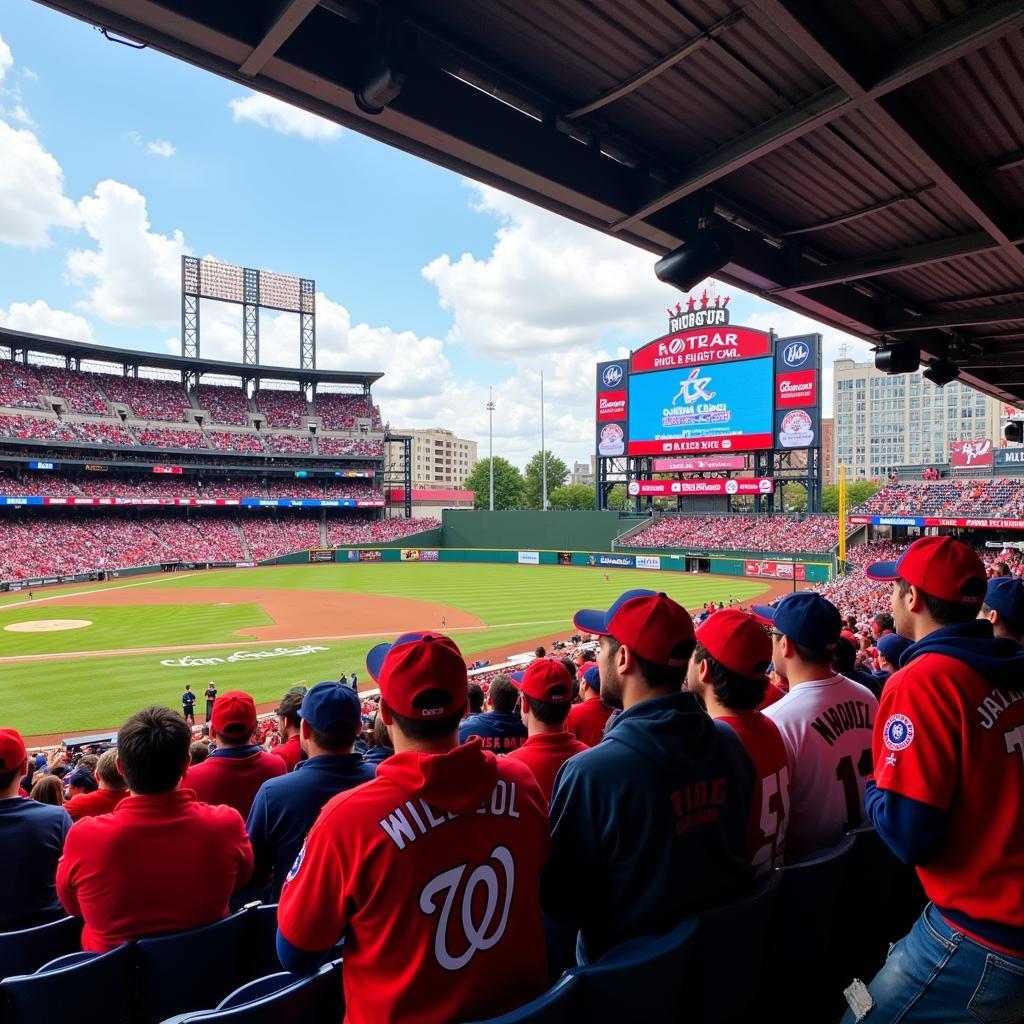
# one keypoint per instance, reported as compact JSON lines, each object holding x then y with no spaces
{"x":79,"y":593}
{"x":221,"y":645}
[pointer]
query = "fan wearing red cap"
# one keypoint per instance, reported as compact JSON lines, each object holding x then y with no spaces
{"x":728,"y":674}
{"x":397,"y":867}
{"x":546,"y":687}
{"x":948,"y":789}
{"x":825,"y":720}
{"x":236,"y":767}
{"x":33,"y":838}
{"x":667,"y":788}
{"x":587,"y":720}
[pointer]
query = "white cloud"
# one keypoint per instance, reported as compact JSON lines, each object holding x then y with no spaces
{"x":133,"y":275}
{"x":29,"y":74}
{"x":17,"y":113}
{"x":32,"y":199}
{"x":161,"y":147}
{"x":38,"y":318}
{"x":548,"y":284}
{"x":269,"y":112}
{"x":6,"y":58}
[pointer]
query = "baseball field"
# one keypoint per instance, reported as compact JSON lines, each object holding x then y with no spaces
{"x":82,"y":658}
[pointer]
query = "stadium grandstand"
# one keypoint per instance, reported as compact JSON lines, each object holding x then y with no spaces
{"x":260,"y":463}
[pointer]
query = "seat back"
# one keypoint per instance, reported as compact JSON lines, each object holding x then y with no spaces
{"x":263,"y":949}
{"x":640,"y":979}
{"x":316,"y":997}
{"x":803,"y":922}
{"x":556,"y":1006}
{"x":193,"y":970}
{"x":102,"y":981}
{"x":730,"y":935}
{"x":25,"y":951}
{"x":258,"y":988}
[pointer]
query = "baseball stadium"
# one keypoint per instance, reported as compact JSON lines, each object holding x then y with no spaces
{"x":284,"y":733}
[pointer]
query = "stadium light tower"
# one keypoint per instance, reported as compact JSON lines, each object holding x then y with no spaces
{"x":490,"y":435}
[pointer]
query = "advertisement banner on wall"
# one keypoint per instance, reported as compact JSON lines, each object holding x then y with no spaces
{"x":410,"y":554}
{"x":712,"y":344}
{"x":648,"y":561}
{"x":1010,"y":457}
{"x":797,"y":392}
{"x":775,"y":570}
{"x":962,"y":522}
{"x":971,"y":454}
{"x":612,"y":410}
{"x":617,"y":561}
{"x":565,"y":558}
{"x":720,"y":485}
{"x":323,"y":554}
{"x":370,"y":556}
{"x":528,"y":557}
{"x":712,"y":464}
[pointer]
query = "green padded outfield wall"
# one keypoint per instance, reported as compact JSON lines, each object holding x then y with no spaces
{"x":532,"y":530}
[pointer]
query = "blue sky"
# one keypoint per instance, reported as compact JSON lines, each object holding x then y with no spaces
{"x":119,"y":160}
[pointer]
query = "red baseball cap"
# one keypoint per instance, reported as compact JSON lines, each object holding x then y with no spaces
{"x":940,"y":566}
{"x":737,"y":640}
{"x":649,"y":623}
{"x":545,"y":680}
{"x":12,"y":750}
{"x":234,"y":714}
{"x":414,"y":664}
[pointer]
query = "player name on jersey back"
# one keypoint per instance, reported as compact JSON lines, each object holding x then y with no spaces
{"x":415,"y":818}
{"x":840,"y":718}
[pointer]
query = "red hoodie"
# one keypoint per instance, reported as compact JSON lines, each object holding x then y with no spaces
{"x":431,"y":872}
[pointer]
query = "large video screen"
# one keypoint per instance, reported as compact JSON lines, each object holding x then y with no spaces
{"x":724,"y":406}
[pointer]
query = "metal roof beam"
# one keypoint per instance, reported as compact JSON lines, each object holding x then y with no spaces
{"x":291,"y":17}
{"x":864,"y":211}
{"x":956,"y":318}
{"x":893,"y":261}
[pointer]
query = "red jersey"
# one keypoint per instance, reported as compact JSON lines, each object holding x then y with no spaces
{"x":159,"y":863}
{"x":945,"y":736}
{"x":431,"y":872}
{"x":771,"y":696}
{"x":233,"y":776}
{"x":769,"y":808}
{"x":100,"y":801}
{"x":587,"y":720}
{"x":290,"y":752}
{"x":545,"y":753}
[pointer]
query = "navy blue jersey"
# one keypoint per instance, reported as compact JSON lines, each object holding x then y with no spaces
{"x":499,"y":731}
{"x":188,"y":698}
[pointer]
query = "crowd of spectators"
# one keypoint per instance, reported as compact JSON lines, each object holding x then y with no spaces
{"x":147,"y":397}
{"x":960,"y":498}
{"x":80,"y":390}
{"x":351,"y":446}
{"x":48,"y":428}
{"x":340,"y":411}
{"x":235,"y":441}
{"x":342,"y":532}
{"x":271,"y":536}
{"x":225,"y":404}
{"x":19,"y":386}
{"x":288,"y":444}
{"x":782,"y":534}
{"x":171,"y":437}
{"x":283,"y":408}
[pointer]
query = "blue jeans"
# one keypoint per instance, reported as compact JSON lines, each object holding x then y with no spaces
{"x":937,"y":975}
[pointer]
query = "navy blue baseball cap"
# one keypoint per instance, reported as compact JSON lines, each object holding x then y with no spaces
{"x":891,"y":647}
{"x":592,"y":677}
{"x":83,"y":780}
{"x":806,"y":618}
{"x":1005,"y":594}
{"x":333,"y":709}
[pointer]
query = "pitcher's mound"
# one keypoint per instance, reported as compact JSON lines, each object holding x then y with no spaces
{"x":47,"y":625}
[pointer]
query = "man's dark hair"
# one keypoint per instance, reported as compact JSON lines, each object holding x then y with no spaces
{"x":851,"y":622}
{"x":844,"y":658}
{"x":333,"y":742}
{"x":662,"y":677}
{"x":883,"y":620}
{"x":476,"y":698}
{"x":423,"y":730}
{"x":570,"y":666}
{"x":732,"y":691}
{"x":548,"y":711}
{"x":198,"y":752}
{"x":945,"y":613}
{"x":1015,"y":627}
{"x":153,"y":746}
{"x":6,"y":778}
{"x":540,"y":652}
{"x":502,"y":693}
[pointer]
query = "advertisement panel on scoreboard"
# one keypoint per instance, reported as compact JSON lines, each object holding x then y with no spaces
{"x":724,"y":406}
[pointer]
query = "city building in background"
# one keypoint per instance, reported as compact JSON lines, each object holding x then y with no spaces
{"x":882,"y":421}
{"x":582,"y":473}
{"x":440,"y":460}
{"x":829,"y":473}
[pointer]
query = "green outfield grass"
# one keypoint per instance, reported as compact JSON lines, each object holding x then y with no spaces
{"x":93,"y":693}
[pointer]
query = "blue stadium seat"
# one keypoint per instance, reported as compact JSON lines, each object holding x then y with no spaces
{"x":67,"y":960}
{"x":639,"y":980}
{"x":258,"y":988}
{"x":25,"y":951}
{"x":314,"y":998}
{"x":727,"y":936}
{"x":803,"y":924}
{"x":263,"y":952}
{"x":556,"y":1006}
{"x":102,"y":981}
{"x":194,"y":970}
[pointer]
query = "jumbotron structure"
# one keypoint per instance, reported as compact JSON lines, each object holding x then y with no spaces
{"x":112,"y":459}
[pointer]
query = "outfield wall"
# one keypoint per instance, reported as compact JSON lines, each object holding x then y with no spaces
{"x":533,"y":529}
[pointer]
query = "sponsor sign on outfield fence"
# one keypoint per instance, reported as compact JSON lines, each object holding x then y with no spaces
{"x":528,"y":557}
{"x":648,"y":561}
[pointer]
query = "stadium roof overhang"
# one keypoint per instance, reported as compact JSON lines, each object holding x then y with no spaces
{"x":21,"y":341}
{"x":866,"y":159}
